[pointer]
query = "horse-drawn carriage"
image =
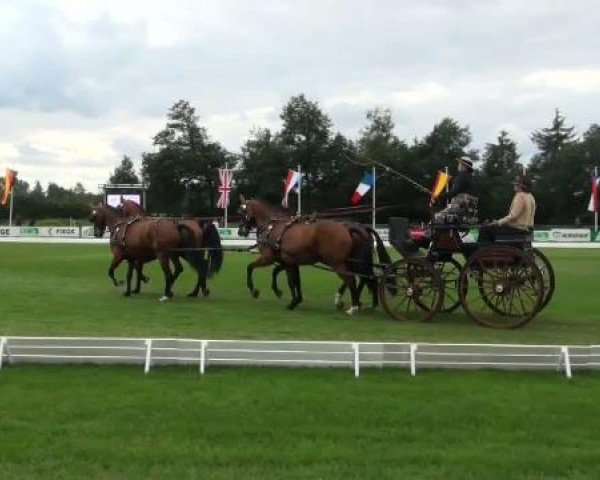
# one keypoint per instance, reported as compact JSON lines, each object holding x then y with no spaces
{"x":503,"y":284}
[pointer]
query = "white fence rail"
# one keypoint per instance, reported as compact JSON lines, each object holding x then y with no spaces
{"x":354,"y":356}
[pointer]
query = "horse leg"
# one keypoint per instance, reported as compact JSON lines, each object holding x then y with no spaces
{"x":129,"y":277}
{"x":278,"y":268}
{"x":350,"y":281}
{"x":140,"y":276}
{"x":169,"y":279}
{"x":262,"y":261}
{"x":116,"y":261}
{"x":337,"y":300}
{"x":372,"y":285}
{"x":178,"y":268}
{"x":293,"y":274}
{"x":201,"y":280}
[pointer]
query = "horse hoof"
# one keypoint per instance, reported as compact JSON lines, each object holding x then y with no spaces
{"x":278,"y":293}
{"x":145,"y":279}
{"x":135,"y":292}
{"x":255,"y":293}
{"x":206,"y":292}
{"x":164,"y":298}
{"x":120,"y":283}
{"x":126,"y":294}
{"x":291,"y":306}
{"x":352,"y":310}
{"x":192,"y":295}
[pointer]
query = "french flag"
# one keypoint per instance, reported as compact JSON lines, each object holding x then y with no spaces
{"x":593,"y":205}
{"x":363,"y":187}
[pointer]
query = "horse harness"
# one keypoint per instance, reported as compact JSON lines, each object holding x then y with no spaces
{"x":263,"y":233}
{"x":118,"y":234}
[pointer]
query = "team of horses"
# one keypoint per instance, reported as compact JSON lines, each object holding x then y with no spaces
{"x":287,"y":242}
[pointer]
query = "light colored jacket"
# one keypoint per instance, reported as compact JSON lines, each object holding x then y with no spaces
{"x":522,"y":212}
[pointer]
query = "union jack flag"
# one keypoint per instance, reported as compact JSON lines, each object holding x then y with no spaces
{"x":225,"y":178}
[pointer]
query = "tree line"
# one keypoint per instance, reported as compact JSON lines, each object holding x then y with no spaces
{"x":182,"y":179}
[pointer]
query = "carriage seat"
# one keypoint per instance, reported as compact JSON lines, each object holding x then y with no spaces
{"x":514,"y":239}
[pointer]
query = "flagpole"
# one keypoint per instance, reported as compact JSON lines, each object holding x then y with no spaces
{"x":10,"y":210}
{"x":596,"y":209}
{"x":299,"y":190}
{"x":374,"y":200}
{"x":226,"y":203}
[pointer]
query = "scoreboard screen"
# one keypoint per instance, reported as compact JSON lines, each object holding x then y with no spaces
{"x":114,"y":200}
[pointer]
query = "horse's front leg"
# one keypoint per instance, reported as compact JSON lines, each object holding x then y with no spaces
{"x":263,"y":261}
{"x":276,"y":271}
{"x":116,"y":261}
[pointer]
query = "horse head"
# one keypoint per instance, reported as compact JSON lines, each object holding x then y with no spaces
{"x":98,"y":218}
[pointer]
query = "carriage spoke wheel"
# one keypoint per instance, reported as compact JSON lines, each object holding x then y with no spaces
{"x":450,"y":273}
{"x":411,"y":289}
{"x":548,"y":278}
{"x":501,"y":287}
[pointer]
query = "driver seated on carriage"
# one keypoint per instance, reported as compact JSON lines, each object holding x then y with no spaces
{"x":518,"y":224}
{"x":462,"y":203}
{"x":461,"y":209}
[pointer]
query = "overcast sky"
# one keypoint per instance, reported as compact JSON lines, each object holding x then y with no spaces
{"x":84,"y":82}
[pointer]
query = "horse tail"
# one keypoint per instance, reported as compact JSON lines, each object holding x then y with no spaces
{"x":193,"y":256}
{"x":363,"y":260}
{"x":382,"y":253}
{"x":212,"y":241}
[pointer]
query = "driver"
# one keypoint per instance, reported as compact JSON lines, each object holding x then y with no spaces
{"x":520,"y":218}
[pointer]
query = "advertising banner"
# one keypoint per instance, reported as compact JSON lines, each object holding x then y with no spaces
{"x":570,"y":235}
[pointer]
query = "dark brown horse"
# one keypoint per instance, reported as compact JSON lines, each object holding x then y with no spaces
{"x":281,"y":240}
{"x":139,"y":240}
{"x":206,"y":237}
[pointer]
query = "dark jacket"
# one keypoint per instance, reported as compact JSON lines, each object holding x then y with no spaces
{"x":462,"y":183}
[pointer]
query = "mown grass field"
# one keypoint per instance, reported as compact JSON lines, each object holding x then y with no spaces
{"x":115,"y":423}
{"x":72,"y":422}
{"x":64,"y":290}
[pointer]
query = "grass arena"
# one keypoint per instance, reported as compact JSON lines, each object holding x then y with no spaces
{"x":62,"y":421}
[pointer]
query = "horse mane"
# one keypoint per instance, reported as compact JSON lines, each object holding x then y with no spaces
{"x":274,"y":210}
{"x":110,"y":208}
{"x":135,"y":205}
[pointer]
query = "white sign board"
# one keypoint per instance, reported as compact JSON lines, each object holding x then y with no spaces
{"x":114,"y":200}
{"x":570,"y":235}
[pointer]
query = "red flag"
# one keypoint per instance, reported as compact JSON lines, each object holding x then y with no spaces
{"x":593,"y":205}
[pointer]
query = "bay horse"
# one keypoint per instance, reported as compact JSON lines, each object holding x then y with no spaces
{"x":292,"y":243}
{"x":139,"y":240}
{"x":206,"y":235}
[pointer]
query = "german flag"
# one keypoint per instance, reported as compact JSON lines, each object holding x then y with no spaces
{"x":441,"y":180}
{"x":9,"y":182}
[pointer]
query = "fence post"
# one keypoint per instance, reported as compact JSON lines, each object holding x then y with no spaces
{"x":413,"y":359}
{"x":356,"y":359}
{"x":148,"y":355}
{"x":7,"y":350}
{"x":2,"y":342}
{"x":567,"y":360}
{"x":203,"y":345}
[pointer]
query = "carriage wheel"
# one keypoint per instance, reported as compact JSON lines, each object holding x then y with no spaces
{"x":508,"y":289}
{"x":548,"y":277}
{"x":411,"y":289}
{"x":450,"y":274}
